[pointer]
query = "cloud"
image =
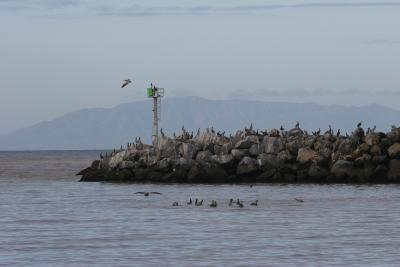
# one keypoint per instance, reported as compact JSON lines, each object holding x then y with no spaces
{"x":137,"y":10}
{"x":382,"y":42}
{"x":303,"y":93}
{"x":119,"y":8}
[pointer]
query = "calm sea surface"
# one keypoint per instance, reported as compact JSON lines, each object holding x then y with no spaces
{"x":47,"y":218}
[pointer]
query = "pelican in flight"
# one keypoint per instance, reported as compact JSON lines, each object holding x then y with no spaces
{"x":146,"y":194}
{"x":125,"y":82}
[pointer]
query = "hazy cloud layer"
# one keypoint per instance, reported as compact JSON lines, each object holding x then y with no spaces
{"x":314,"y":93}
{"x":382,"y":42}
{"x":124,"y":8}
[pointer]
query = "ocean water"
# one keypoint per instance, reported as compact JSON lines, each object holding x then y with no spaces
{"x":47,"y":218}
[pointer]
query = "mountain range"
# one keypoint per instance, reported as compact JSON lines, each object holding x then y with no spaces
{"x":107,"y":128}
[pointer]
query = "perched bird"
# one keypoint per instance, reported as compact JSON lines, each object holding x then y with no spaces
{"x":146,"y":194}
{"x":297,"y":125}
{"x":299,"y":200}
{"x":125,"y":82}
{"x":255,"y":203}
{"x":359,"y":124}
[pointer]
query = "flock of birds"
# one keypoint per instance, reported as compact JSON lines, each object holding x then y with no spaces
{"x":213,"y":204}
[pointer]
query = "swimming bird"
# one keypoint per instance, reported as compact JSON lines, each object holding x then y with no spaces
{"x":255,"y":203}
{"x":146,"y":194}
{"x":299,"y":200}
{"x":125,"y":82}
{"x":175,"y":204}
{"x":230,"y":202}
{"x":190,"y":202}
{"x":240,"y":205}
{"x":199,"y":203}
{"x":213,"y":204}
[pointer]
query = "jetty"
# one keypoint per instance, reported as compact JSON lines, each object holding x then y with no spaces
{"x":273,"y":156}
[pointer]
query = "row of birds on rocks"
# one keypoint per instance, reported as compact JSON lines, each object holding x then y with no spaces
{"x":214,"y":203}
{"x":185,"y":135}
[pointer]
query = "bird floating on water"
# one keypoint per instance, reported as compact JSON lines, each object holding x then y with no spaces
{"x":299,"y":200}
{"x":146,"y":194}
{"x":125,"y":82}
{"x":255,"y":203}
{"x":175,"y":204}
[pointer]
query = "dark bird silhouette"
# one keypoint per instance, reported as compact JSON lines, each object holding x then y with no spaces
{"x":125,"y":82}
{"x":297,"y":125}
{"x":190,"y":202}
{"x":230,"y":202}
{"x":175,"y":204}
{"x":213,"y":204}
{"x":255,"y":203}
{"x":299,"y":200}
{"x":146,"y":194}
{"x":198,"y":203}
{"x":359,"y":124}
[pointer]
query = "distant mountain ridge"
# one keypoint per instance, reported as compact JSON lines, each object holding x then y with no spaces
{"x":104,"y":128}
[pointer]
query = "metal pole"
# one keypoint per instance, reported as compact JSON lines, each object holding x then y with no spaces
{"x":155,"y":122}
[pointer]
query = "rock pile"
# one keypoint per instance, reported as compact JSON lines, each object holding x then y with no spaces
{"x":253,"y":156}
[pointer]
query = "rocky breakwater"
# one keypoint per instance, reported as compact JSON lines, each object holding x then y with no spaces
{"x":252,"y":156}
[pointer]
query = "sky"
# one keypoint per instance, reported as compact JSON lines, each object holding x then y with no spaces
{"x":58,"y":56}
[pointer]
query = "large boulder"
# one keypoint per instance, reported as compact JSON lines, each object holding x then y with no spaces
{"x":246,"y":166}
{"x":284,"y":157}
{"x":342,"y":169}
{"x":273,"y":145}
{"x":204,"y":156}
{"x":223,"y":159}
{"x":267,"y":161}
{"x":305,"y":155}
{"x":116,"y":159}
{"x":240,"y":153}
{"x":371,"y":139}
{"x":317,"y":172}
{"x":206,"y":173}
{"x":256,"y":149}
{"x":295,"y":132}
{"x":394,"y":151}
{"x":394,"y":170}
{"x":189,"y":150}
{"x":247,"y":142}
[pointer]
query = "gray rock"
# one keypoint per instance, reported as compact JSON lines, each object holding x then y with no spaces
{"x":342,"y":169}
{"x":317,"y":172}
{"x":305,"y":155}
{"x":227,"y":148}
{"x":246,"y":166}
{"x":204,"y":156}
{"x":273,"y":145}
{"x":223,"y":159}
{"x":394,"y":170}
{"x":247,"y":142}
{"x":394,"y":151}
{"x":284,"y":157}
{"x":256,"y":149}
{"x":240,"y":153}
{"x":126,"y":164}
{"x":267,"y":161}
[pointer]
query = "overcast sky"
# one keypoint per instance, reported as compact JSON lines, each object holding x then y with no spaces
{"x":58,"y":56}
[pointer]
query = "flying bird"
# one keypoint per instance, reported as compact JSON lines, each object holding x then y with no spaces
{"x":125,"y":82}
{"x":146,"y":194}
